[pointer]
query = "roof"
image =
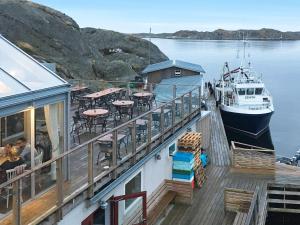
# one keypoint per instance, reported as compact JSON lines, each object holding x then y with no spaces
{"x":173,"y":63}
{"x":20,"y":73}
{"x":164,"y":90}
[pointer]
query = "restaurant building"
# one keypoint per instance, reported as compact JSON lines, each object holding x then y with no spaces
{"x":33,"y":109}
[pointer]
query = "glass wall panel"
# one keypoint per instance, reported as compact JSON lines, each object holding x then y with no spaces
{"x":49,"y":130}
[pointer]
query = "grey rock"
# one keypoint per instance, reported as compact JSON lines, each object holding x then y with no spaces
{"x":51,"y":36}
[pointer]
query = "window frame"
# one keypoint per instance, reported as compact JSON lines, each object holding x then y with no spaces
{"x":247,"y":91}
{"x":128,"y":208}
{"x":260,"y":91}
{"x":241,"y":89}
{"x":177,"y":73}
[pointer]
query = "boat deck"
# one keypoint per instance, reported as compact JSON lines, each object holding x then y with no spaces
{"x":208,"y":203}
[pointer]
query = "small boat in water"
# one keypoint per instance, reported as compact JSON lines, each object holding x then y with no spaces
{"x":245,"y":103}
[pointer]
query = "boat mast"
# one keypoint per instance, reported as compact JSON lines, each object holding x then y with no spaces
{"x":149,"y":62}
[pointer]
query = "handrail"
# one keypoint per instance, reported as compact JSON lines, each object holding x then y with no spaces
{"x":85,"y":144}
{"x":127,"y":82}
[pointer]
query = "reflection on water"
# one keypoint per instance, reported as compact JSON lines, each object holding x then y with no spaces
{"x":278,"y":61}
{"x":264,"y":140}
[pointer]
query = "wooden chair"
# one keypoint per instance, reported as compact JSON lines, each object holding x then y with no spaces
{"x":10,"y":175}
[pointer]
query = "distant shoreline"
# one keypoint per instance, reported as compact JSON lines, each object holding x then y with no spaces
{"x":191,"y":39}
{"x":220,"y":34}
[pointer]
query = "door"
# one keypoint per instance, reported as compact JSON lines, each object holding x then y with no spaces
{"x":115,"y":206}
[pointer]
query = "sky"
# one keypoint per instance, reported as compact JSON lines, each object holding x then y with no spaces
{"x":137,"y":16}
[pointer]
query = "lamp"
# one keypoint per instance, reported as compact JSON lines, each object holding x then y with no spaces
{"x":157,"y":156}
{"x":103,"y":205}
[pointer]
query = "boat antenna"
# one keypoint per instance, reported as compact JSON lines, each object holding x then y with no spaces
{"x":149,"y":45}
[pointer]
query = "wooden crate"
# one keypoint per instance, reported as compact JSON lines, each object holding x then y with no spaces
{"x":190,"y":140}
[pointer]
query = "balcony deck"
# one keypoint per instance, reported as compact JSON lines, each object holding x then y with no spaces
{"x":84,"y":166}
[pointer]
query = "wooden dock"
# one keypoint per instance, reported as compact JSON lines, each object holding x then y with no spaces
{"x":208,"y":202}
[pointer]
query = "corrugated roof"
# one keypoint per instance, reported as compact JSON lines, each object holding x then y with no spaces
{"x":20,"y":73}
{"x":173,"y":63}
{"x":164,"y":90}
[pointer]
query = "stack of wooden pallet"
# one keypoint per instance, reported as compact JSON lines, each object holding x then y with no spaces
{"x":190,"y":143}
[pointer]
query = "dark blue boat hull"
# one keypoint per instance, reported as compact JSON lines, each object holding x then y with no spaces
{"x":253,"y":124}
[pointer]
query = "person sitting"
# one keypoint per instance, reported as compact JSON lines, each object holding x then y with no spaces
{"x":13,"y":160}
{"x":24,"y":150}
{"x":5,"y":150}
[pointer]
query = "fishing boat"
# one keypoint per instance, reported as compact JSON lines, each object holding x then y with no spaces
{"x":245,"y":103}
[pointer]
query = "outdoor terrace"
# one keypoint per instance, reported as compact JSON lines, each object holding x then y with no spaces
{"x":102,"y":146}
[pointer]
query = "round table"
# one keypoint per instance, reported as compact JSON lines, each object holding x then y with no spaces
{"x":143,"y":94}
{"x":92,"y":114}
{"x":124,"y":107}
{"x":123,"y":103}
{"x":95,"y":112}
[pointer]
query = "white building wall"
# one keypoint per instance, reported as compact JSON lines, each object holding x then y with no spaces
{"x":78,"y":214}
{"x":154,"y":172}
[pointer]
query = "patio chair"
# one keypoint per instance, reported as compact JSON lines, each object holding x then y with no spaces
{"x":101,"y":121}
{"x":10,"y":174}
{"x":153,"y":99}
{"x":77,"y":129}
{"x":140,"y":133}
{"x":82,"y":104}
{"x":156,"y":119}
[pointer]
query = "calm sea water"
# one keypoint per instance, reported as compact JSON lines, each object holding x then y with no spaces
{"x":277,"y":61}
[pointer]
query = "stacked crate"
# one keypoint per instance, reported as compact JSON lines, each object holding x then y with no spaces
{"x":190,"y":144}
{"x":183,"y":167}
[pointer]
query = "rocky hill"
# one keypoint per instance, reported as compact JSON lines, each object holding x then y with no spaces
{"x":86,"y":53}
{"x":262,"y":34}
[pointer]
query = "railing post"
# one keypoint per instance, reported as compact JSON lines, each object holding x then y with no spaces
{"x":149,"y":132}
{"x":90,"y":170}
{"x":133,"y":141}
{"x":199,"y":99}
{"x":162,"y":123}
{"x":16,"y":203}
{"x":182,"y":107}
{"x":173,"y":115}
{"x":59,"y":188}
{"x":114,"y":153}
{"x":174,"y":91}
{"x":190,"y":103}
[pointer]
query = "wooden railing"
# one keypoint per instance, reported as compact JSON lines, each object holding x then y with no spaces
{"x":90,"y":178}
{"x":252,"y":157}
{"x":244,"y":203}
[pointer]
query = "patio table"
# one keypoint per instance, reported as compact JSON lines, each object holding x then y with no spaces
{"x":92,"y":114}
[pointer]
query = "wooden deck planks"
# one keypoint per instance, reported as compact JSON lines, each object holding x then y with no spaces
{"x":219,"y":144}
{"x":208,"y":203}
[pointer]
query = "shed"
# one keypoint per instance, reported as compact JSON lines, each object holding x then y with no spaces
{"x":154,"y":73}
{"x":34,"y":107}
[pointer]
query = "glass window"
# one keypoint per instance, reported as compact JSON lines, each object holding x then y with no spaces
{"x":25,"y":69}
{"x":241,"y":91}
{"x":15,"y":139}
{"x":177,"y":72}
{"x":133,"y":186}
{"x":250,"y":91}
{"x":258,"y":91}
{"x":9,"y":86}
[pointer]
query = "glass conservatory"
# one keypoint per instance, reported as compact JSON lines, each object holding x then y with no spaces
{"x":33,"y":118}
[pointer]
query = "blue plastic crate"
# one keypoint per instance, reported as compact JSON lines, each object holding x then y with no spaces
{"x":183,"y":156}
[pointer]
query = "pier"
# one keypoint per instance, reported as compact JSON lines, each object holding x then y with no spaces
{"x":208,"y":203}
